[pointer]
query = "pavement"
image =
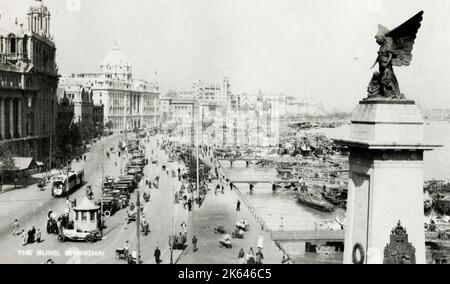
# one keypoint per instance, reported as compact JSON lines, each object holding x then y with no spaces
{"x":220,"y":210}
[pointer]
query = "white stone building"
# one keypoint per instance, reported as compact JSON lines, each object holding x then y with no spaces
{"x":128,"y":103}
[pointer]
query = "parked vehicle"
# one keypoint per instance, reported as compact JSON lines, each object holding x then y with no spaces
{"x":110,"y":205}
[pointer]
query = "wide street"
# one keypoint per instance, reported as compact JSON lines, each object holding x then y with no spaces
{"x":30,"y":206}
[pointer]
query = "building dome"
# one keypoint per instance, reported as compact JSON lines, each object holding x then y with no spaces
{"x":115,"y":58}
{"x":38,"y":6}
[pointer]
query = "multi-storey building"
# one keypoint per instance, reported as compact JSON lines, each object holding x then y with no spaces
{"x":28,"y":84}
{"x":98,"y":118}
{"x":81,"y":96}
{"x":128,"y":103}
{"x":217,"y":93}
{"x":183,"y":114}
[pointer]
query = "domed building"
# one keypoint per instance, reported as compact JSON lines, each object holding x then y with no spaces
{"x":28,"y":84}
{"x":128,"y":103}
{"x":117,"y":64}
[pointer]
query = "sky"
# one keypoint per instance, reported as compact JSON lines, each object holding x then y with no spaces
{"x":320,"y":49}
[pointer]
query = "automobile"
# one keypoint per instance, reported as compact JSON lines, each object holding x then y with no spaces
{"x":109,"y":205}
{"x":125,"y":186}
{"x":108,"y":183}
{"x":74,"y":235}
{"x":128,"y":179}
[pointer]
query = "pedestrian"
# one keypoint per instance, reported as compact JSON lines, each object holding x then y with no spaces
{"x":157,"y":255}
{"x":223,"y":190}
{"x":189,"y":204}
{"x":33,"y":234}
{"x":126,"y":249}
{"x":84,"y":158}
{"x":281,"y":224}
{"x":259,"y":257}
{"x":59,"y":224}
{"x":24,"y":237}
{"x":285,"y":259}
{"x":241,"y":257}
{"x":38,"y":236}
{"x":238,"y":205}
{"x":260,"y":243}
{"x":16,"y":227}
{"x":183,"y":227}
{"x":251,"y":256}
{"x":194,"y":243}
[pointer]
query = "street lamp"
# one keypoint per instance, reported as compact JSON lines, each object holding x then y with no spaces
{"x":173,"y":225}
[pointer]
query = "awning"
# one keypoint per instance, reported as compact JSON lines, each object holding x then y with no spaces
{"x":23,"y":163}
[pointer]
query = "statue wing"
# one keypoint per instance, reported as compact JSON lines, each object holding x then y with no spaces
{"x":400,"y":41}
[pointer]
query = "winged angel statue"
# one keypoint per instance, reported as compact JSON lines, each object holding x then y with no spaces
{"x":395,"y":50}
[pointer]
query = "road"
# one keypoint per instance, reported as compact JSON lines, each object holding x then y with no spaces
{"x":30,"y":206}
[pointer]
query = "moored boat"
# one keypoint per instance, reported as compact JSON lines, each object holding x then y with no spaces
{"x":314,"y":202}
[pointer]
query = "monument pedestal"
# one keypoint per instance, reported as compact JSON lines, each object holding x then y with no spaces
{"x":385,"y":178}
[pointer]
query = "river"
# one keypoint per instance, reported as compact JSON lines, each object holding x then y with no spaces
{"x":271,"y":206}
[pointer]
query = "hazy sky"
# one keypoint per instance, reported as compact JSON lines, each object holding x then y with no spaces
{"x":320,"y":49}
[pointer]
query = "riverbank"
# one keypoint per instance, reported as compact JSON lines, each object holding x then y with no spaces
{"x":220,"y":210}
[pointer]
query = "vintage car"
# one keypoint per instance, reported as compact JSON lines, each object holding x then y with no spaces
{"x":108,"y":183}
{"x":129,"y":178}
{"x":125,"y":186}
{"x":109,"y":205}
{"x":74,"y":235}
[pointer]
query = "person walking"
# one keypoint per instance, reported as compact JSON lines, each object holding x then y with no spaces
{"x":241,"y":257}
{"x":194,"y":243}
{"x":281,"y":224}
{"x":24,"y":236}
{"x":238,"y":205}
{"x":16,"y":227}
{"x":38,"y":236}
{"x":183,"y":227}
{"x":157,"y":255}
{"x":189,"y":204}
{"x":251,"y":256}
{"x":259,"y":257}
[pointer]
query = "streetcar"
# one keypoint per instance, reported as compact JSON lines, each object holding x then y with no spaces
{"x":59,"y":184}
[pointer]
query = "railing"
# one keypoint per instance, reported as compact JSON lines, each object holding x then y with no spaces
{"x":319,"y":235}
{"x":247,"y":204}
{"x":252,"y":211}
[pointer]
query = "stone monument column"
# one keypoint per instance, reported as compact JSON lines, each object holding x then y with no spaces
{"x":385,"y":178}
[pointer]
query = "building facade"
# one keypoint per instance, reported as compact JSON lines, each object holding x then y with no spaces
{"x":81,"y":96}
{"x":212,"y":93}
{"x":128,"y":103}
{"x":28,"y":84}
{"x":98,"y":118}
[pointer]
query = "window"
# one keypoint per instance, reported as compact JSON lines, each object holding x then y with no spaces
{"x":12,"y":42}
{"x":84,"y":216}
{"x":92,"y":215}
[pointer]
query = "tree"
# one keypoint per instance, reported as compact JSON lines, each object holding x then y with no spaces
{"x":7,"y":163}
{"x":192,"y":169}
{"x":109,"y":125}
